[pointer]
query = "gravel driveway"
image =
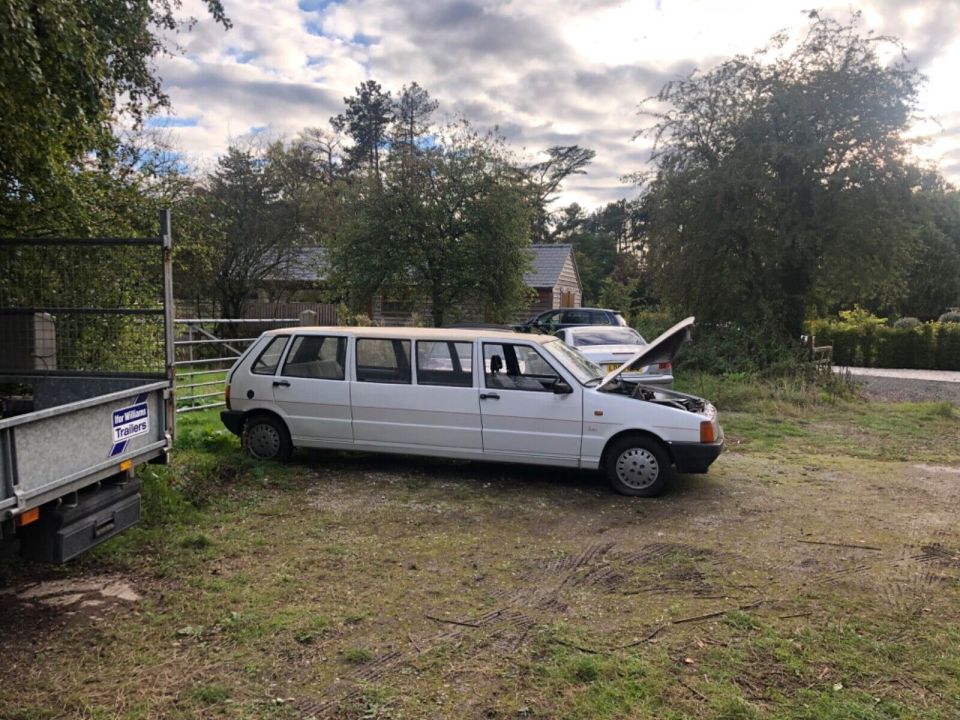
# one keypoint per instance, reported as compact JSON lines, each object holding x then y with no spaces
{"x":907,"y":385}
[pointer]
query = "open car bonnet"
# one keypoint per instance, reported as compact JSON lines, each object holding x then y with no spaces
{"x":661,"y":350}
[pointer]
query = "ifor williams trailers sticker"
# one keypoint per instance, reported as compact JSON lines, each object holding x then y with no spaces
{"x":128,"y":422}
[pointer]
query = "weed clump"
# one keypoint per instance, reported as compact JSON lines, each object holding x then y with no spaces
{"x":357,"y":656}
{"x":209,"y":694}
{"x":199,"y":541}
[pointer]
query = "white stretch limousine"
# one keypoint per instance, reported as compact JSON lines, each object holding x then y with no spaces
{"x":472,"y":394}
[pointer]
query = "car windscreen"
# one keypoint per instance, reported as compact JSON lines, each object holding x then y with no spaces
{"x":584,"y":370}
{"x":607,"y":336}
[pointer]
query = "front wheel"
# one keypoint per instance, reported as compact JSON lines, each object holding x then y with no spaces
{"x":637,"y":466}
{"x":266,"y":438}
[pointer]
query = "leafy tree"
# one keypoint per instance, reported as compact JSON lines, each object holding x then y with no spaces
{"x":412,"y":114}
{"x":545,"y":179}
{"x":933,"y":279}
{"x":609,"y":248}
{"x":450,"y":228}
{"x":782,"y":179}
{"x":249,"y":232}
{"x":69,"y":70}
{"x":366,"y":121}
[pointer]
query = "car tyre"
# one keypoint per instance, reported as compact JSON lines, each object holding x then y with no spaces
{"x":637,"y":466}
{"x":266,"y":438}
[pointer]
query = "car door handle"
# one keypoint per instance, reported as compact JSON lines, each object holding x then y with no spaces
{"x":281,"y":383}
{"x":489,"y":396}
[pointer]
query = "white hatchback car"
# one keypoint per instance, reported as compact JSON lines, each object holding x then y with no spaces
{"x":608,"y":346}
{"x":471,"y":394}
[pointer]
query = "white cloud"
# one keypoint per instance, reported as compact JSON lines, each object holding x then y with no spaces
{"x":544,"y":71}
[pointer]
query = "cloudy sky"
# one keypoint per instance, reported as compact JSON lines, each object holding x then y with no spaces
{"x":546,"y":72}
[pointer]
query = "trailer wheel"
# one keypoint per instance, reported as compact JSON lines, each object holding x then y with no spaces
{"x":637,"y":466}
{"x":266,"y":438}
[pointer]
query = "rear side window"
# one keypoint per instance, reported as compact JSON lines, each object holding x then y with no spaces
{"x":316,"y":356}
{"x":596,"y":317}
{"x":444,"y":362}
{"x":577,"y":317}
{"x":267,"y":363}
{"x":613,"y":336}
{"x":383,"y":361}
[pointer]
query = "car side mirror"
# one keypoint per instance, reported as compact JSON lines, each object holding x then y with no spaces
{"x":560,"y":387}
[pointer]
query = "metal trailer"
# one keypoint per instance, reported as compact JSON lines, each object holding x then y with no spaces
{"x":86,"y":386}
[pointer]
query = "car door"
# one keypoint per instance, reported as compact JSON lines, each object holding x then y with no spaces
{"x":311,"y":390}
{"x":382,"y":393}
{"x":523,"y":418}
{"x":253,"y":388}
{"x":445,"y":409}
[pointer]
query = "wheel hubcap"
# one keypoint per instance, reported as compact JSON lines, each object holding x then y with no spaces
{"x":637,"y":468}
{"x":263,"y":441}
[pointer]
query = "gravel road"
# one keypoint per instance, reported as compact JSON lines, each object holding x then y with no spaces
{"x":907,"y":385}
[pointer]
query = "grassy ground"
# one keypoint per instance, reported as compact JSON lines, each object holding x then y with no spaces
{"x":814,"y":573}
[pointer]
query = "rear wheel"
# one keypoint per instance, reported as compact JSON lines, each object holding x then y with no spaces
{"x":638,"y":466}
{"x":266,"y":438}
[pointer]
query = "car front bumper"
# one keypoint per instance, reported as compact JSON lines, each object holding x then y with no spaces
{"x":695,"y":458}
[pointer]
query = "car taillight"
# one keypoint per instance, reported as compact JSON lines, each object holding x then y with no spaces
{"x":226,"y":396}
{"x":707,"y":432}
{"x":665,"y":366}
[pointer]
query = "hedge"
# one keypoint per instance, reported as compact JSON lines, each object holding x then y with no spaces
{"x":930,"y":346}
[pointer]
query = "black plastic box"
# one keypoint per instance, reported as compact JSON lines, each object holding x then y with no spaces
{"x":67,"y":530}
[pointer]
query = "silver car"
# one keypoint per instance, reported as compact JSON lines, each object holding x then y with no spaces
{"x":611,"y":346}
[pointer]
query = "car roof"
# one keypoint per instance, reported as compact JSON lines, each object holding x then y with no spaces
{"x":463,"y":334}
{"x":577,"y":329}
{"x":599,"y":309}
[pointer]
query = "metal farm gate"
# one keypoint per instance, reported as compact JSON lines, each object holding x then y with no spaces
{"x":206,"y":348}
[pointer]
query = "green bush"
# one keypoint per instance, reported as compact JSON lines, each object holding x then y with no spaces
{"x":726,"y":349}
{"x":907,"y":322}
{"x":650,"y":323}
{"x":947,"y":351}
{"x":924,"y":346}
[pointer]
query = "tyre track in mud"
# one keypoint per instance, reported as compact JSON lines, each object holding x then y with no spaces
{"x":516,"y":613}
{"x":903,"y":582}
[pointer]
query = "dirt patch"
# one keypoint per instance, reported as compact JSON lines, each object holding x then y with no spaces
{"x":888,"y":389}
{"x":90,"y":591}
{"x":378,"y":588}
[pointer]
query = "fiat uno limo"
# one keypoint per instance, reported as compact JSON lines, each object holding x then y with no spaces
{"x":471,"y":394}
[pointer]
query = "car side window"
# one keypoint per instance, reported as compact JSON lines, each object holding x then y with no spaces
{"x":549,"y":318}
{"x":269,"y":358}
{"x":383,"y":360}
{"x":318,"y":357}
{"x":576,"y":317}
{"x":517,"y":367}
{"x":443,"y":362}
{"x":595,"y":317}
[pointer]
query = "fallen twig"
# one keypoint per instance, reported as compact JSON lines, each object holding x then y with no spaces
{"x":795,"y":615}
{"x":693,"y":690}
{"x":560,"y":641}
{"x":414,"y":643}
{"x":718,"y":613}
{"x":844,"y":545}
{"x":650,"y":636}
{"x":452,"y":622}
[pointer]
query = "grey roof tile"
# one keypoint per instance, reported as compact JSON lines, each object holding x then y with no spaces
{"x":547,"y":265}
